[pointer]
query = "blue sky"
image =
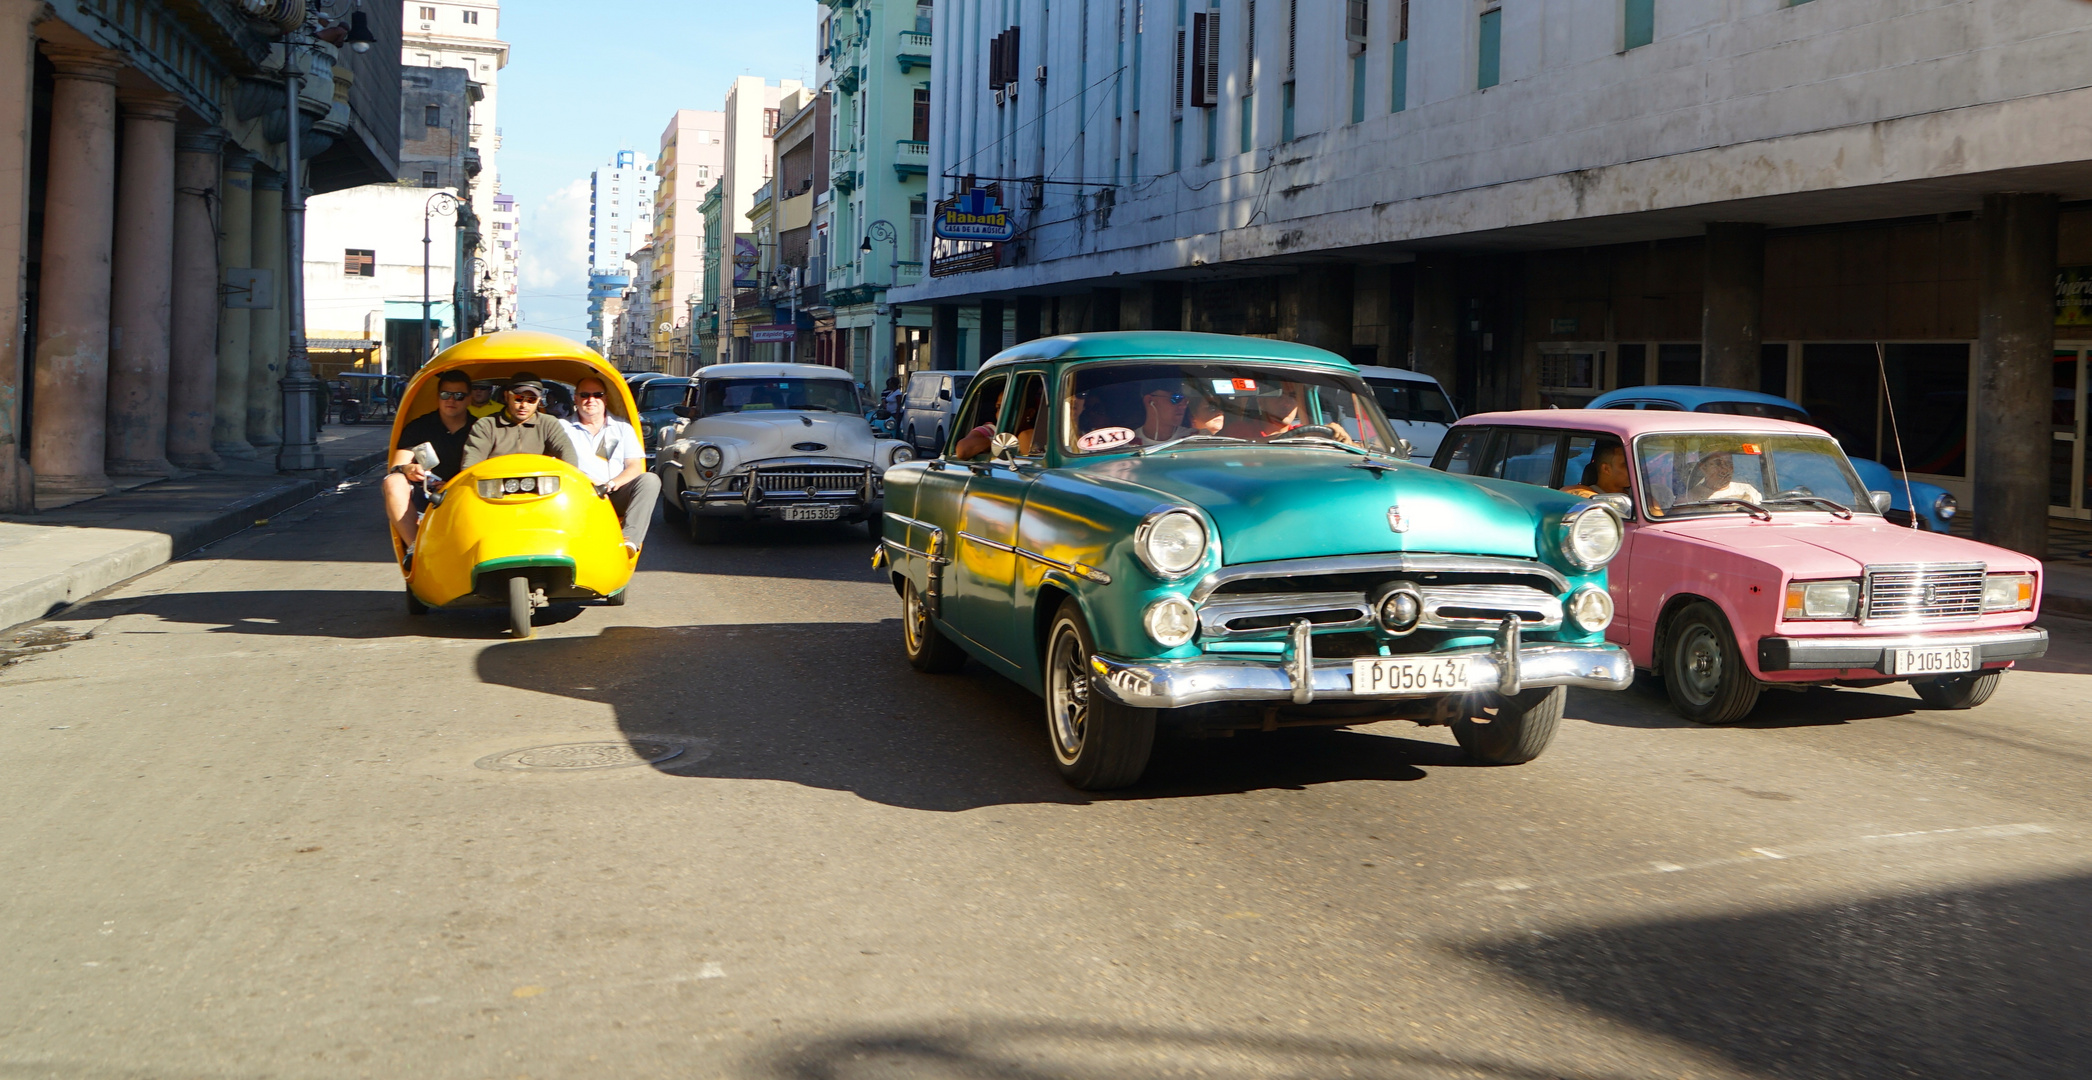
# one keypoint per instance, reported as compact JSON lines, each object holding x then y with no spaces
{"x":585,"y":80}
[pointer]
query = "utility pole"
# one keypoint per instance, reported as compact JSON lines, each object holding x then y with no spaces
{"x":301,"y":392}
{"x":442,"y":202}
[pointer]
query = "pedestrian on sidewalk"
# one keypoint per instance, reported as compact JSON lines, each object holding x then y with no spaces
{"x":613,"y":457}
{"x":445,"y":429}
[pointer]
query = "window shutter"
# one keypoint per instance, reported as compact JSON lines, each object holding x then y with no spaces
{"x":1201,"y":72}
{"x":1010,"y":59}
{"x":1292,"y":33}
{"x":1180,"y":67}
{"x":1249,"y":47}
{"x":1210,"y":55}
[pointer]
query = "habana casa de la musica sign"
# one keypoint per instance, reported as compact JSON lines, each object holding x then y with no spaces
{"x":974,"y":215}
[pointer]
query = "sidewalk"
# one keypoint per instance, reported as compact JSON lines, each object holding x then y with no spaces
{"x":2066,"y":574}
{"x":62,"y":555}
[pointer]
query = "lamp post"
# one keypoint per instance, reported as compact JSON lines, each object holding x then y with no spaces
{"x":883,"y":230}
{"x":444,"y":203}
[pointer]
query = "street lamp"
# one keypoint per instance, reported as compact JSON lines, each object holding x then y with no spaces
{"x":446,"y":204}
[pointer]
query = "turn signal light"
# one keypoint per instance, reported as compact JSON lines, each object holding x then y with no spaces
{"x":519,"y":485}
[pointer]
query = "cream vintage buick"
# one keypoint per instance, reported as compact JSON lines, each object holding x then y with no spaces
{"x":780,"y":442}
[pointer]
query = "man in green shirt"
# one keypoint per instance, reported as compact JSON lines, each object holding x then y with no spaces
{"x":518,"y":429}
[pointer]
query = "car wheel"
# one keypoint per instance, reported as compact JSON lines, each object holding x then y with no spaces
{"x":1958,"y":691}
{"x":672,"y":507}
{"x":414,"y":604}
{"x":1511,"y":730}
{"x":617,"y":599}
{"x":704,"y":530}
{"x":519,"y":606}
{"x":1098,"y":743}
{"x":1703,"y":671}
{"x":929,"y":651}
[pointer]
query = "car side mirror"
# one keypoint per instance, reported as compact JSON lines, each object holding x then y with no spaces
{"x":685,"y":411}
{"x":1881,"y":500}
{"x":425,"y":456}
{"x":1621,"y":504}
{"x":944,"y":395}
{"x":1405,"y":447}
{"x":1003,"y":446}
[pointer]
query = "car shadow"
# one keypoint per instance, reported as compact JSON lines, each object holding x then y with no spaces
{"x":836,"y":706}
{"x":1645,"y":706}
{"x":1977,"y":981}
{"x":350,"y":614}
{"x":1063,"y":1049}
{"x":834,"y":552}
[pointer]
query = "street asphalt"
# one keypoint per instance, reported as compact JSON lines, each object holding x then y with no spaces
{"x":259,"y":822}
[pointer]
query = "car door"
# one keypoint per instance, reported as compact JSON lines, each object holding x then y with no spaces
{"x":986,"y":585}
{"x":940,"y":502}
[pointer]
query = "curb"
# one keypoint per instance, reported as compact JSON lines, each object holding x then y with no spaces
{"x":41,"y":598}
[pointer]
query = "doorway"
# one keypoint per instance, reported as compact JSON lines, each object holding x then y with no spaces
{"x":2068,"y":447}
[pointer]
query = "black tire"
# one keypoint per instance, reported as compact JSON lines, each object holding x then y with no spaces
{"x":929,"y":651}
{"x":913,"y":440}
{"x":519,"y":606}
{"x":704,"y":530}
{"x":351,"y":416}
{"x":1703,"y":670}
{"x":1511,"y":730}
{"x":617,"y":599}
{"x":1958,"y":691}
{"x":672,"y":510}
{"x":1098,"y":743}
{"x":414,"y":604}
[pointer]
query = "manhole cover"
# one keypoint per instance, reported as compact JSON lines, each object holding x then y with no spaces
{"x":574,"y":757}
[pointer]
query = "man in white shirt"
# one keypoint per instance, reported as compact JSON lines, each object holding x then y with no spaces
{"x":613,"y":456}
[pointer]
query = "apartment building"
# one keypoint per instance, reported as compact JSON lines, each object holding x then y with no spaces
{"x":690,"y":165}
{"x":467,"y":36}
{"x":620,"y":219}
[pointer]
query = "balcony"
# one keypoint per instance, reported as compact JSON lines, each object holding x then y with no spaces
{"x":848,"y":79}
{"x":914,"y":50}
{"x":908,"y":273}
{"x":910,"y":158}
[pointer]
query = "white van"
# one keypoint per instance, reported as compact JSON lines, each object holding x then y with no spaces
{"x":1415,"y":403}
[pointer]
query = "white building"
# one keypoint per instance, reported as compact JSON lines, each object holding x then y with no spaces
{"x":692,"y":162}
{"x":1538,"y":200}
{"x":620,"y":220}
{"x":504,"y":247}
{"x":466,"y":35}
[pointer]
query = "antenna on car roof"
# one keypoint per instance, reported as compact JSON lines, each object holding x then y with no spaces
{"x":1881,"y":364}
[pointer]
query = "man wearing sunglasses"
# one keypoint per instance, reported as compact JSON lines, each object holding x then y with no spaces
{"x":445,"y":429}
{"x":615,"y":459}
{"x":518,"y":429}
{"x":1163,"y":408}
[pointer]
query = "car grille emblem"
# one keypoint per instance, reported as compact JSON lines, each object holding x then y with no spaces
{"x":1931,"y":593}
{"x":1396,"y":521}
{"x":809,"y":447}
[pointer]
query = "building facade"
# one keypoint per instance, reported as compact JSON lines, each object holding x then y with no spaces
{"x":467,"y":35}
{"x":504,"y":246}
{"x":620,"y":219}
{"x":753,"y":111}
{"x":1536,"y":201}
{"x":631,"y":345}
{"x":140,"y":285}
{"x":693,"y":158}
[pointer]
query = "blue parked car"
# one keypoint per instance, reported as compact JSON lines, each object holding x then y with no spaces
{"x":1935,"y":505}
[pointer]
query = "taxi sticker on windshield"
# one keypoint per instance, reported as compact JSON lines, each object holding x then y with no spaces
{"x":1105,"y":438}
{"x":1234,"y":386}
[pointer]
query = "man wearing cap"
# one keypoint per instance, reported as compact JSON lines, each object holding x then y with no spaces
{"x":482,"y":402}
{"x":518,"y":429}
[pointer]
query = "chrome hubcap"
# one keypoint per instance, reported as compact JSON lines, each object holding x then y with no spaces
{"x":913,"y":618}
{"x":1700,"y":664}
{"x":1069,"y":698}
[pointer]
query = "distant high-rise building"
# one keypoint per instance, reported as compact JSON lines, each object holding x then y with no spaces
{"x":692,"y":161}
{"x":620,"y":220}
{"x":454,"y":34}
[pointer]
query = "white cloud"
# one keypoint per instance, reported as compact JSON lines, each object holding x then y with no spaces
{"x":554,"y":274}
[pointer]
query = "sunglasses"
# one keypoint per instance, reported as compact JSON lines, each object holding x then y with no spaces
{"x":453,"y":395}
{"x":584,"y":395}
{"x":1177,"y":398}
{"x":528,"y":397}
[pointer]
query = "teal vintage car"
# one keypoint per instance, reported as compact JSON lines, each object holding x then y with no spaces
{"x":1215,"y":533}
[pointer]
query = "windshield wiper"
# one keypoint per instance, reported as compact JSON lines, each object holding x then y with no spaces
{"x":1745,"y":505}
{"x":1201,"y":437}
{"x":1837,"y":508}
{"x":1320,"y":440}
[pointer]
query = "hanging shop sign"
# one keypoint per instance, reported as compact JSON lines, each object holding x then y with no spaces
{"x":975,"y":215}
{"x":2074,"y":296}
{"x":746,"y":256}
{"x":776,"y":333}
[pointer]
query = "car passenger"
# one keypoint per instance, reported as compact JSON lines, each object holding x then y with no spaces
{"x":614,"y":459}
{"x":1204,"y":416}
{"x":518,"y":429}
{"x":446,"y":429}
{"x":482,"y":402}
{"x":1605,"y":475}
{"x":1716,"y":479}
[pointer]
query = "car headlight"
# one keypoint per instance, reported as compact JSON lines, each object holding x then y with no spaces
{"x":900,"y":454}
{"x":1944,"y":507}
{"x":1171,"y":543}
{"x":1592,"y":608}
{"x":1591,"y":536}
{"x":1171,"y":621}
{"x":2008,"y":592}
{"x":1823,"y":599}
{"x":709,"y":457}
{"x":519,"y":485}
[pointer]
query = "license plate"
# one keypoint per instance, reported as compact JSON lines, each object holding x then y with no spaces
{"x":1409,"y":675}
{"x":1941,"y":661}
{"x":812,"y":513}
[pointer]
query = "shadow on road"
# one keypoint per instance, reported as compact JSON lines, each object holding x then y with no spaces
{"x":1061,"y":1050}
{"x":836,"y":707}
{"x":802,"y":552}
{"x":352,"y":614}
{"x":1982,"y":981}
{"x":1645,"y":706}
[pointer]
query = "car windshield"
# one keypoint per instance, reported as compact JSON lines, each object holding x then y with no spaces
{"x":1766,"y":409}
{"x":770,"y":395}
{"x":1707,"y":473}
{"x":1117,"y":406}
{"x":1412,"y":401}
{"x":661,"y":394}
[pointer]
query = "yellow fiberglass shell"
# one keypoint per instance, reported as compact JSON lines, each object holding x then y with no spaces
{"x":465,"y":533}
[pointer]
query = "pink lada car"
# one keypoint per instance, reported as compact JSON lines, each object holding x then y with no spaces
{"x":1755,"y":558}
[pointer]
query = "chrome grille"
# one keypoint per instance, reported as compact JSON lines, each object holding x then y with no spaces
{"x":810,"y":481}
{"x":1446,"y":607}
{"x":1912,"y":592}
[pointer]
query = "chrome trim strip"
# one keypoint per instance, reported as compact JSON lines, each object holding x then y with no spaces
{"x":1216,"y":614}
{"x":1078,"y":569}
{"x":1396,"y":562}
{"x":985,"y":542}
{"x":1173,"y":684}
{"x":904,"y":549}
{"x":1300,"y":667}
{"x":905,"y":520}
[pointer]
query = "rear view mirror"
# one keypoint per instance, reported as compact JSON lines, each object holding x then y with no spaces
{"x":1881,"y":500}
{"x":425,"y":456}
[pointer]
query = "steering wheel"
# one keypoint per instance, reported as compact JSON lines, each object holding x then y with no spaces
{"x":1311,"y":431}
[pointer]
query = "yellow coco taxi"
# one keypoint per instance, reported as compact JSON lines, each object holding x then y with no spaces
{"x":519,"y":530}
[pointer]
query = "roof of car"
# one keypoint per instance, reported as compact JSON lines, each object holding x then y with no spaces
{"x":1171,"y":344}
{"x":1689,"y":397}
{"x":771,"y":371}
{"x":1402,"y":374}
{"x":1628,"y":423}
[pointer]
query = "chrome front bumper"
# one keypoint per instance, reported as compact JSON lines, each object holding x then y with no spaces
{"x":1869,"y":653}
{"x":1507,"y":667}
